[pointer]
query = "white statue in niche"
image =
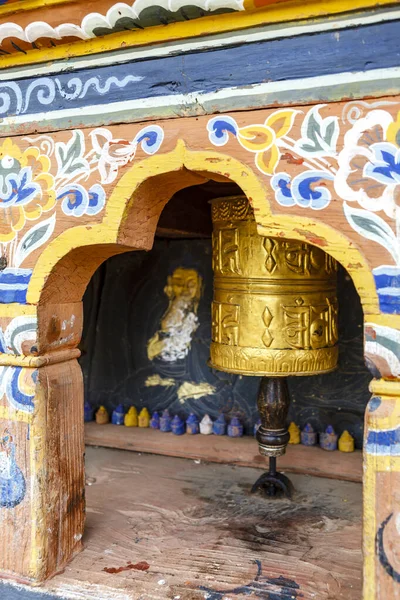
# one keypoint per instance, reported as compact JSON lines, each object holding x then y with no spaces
{"x":172,"y":341}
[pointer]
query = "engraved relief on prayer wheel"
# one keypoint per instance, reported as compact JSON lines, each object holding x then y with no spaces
{"x":274,"y":311}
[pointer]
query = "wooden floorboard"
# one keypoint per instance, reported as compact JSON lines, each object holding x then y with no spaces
{"x":205,"y":537}
{"x":223,"y":449}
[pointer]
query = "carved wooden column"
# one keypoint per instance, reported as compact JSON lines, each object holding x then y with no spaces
{"x":41,"y":440}
{"x":381,"y":518}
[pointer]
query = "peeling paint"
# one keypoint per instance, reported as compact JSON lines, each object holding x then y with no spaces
{"x":312,"y":237}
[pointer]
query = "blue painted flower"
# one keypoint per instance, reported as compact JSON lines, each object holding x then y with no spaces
{"x":303,"y":190}
{"x":77,"y":201}
{"x":281,"y":185}
{"x":12,"y":480}
{"x":219,"y":129}
{"x":385,"y":165}
{"x":150,"y":138}
{"x":17,"y":189}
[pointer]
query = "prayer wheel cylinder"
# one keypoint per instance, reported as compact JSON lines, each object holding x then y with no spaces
{"x":274,"y":311}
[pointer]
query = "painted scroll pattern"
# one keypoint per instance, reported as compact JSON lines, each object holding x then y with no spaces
{"x":44,"y":92}
{"x":48,"y":178}
{"x":355,"y":158}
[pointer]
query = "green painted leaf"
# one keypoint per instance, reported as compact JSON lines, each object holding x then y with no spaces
{"x":374,"y":228}
{"x":33,"y":239}
{"x":70,"y":157}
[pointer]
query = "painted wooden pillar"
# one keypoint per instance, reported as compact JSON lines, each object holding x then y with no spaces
{"x":381,"y":512}
{"x":41,"y":440}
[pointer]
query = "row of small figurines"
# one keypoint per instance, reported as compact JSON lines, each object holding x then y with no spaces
{"x":165,"y":422}
{"x":328,"y":440}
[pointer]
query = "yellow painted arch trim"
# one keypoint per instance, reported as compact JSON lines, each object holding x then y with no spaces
{"x":294,"y":10}
{"x":122,"y":200}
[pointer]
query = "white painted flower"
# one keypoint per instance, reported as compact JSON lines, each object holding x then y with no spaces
{"x":112,"y":153}
{"x":115,"y":153}
{"x":369,"y":170}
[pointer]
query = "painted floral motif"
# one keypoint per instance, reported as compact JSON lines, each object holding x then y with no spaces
{"x":369,"y":170}
{"x":26,"y":188}
{"x":363,"y":170}
{"x":263,"y":140}
{"x":369,"y":175}
{"x":307,"y":189}
{"x":12,"y":480}
{"x":272,"y":144}
{"x":77,"y":201}
{"x":115,"y":153}
{"x":50,"y":176}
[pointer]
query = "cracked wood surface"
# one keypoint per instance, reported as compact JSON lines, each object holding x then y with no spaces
{"x":204,"y":536}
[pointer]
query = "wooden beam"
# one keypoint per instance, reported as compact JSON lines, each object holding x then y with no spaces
{"x":223,"y":449}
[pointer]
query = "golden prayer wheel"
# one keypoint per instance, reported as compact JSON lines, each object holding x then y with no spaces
{"x":275,"y":308}
{"x":274,"y":314}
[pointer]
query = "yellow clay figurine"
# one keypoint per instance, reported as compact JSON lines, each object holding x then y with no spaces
{"x":346,"y":442}
{"x":131,"y":418}
{"x":102,"y":416}
{"x":294,"y":433}
{"x":144,"y":418}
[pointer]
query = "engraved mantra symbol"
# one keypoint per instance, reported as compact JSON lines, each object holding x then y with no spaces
{"x":310,"y":326}
{"x":225,"y":323}
{"x":301,"y":259}
{"x":228,"y":254}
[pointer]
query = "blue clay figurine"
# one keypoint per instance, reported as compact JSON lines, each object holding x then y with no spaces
{"x":219,"y":425}
{"x":87,"y":412}
{"x":165,"y":421}
{"x":235,"y":428}
{"x":192,"y":424}
{"x":177,"y":425}
{"x":155,"y":420}
{"x":308,"y":436}
{"x":329,"y":439}
{"x":256,"y":426}
{"x":117,"y":417}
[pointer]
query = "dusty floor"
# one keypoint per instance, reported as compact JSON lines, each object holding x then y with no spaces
{"x":187,"y":531}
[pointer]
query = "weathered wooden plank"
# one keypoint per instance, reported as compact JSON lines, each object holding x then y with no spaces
{"x":220,"y":79}
{"x":223,"y":449}
{"x":202,"y":535}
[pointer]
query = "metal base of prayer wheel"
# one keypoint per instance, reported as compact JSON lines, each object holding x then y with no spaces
{"x":273,"y":436}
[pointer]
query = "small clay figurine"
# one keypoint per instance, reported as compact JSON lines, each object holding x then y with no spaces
{"x":155,"y":420}
{"x":178,"y":425}
{"x":328,"y":440}
{"x":102,"y":416}
{"x":144,"y":418}
{"x":294,"y":433}
{"x":308,"y":436}
{"x":117,"y":417}
{"x":235,"y":428}
{"x":219,"y":425}
{"x":87,"y":412}
{"x":165,"y":421}
{"x":131,"y":417}
{"x":206,"y":425}
{"x":346,"y":442}
{"x":257,"y":424}
{"x":192,"y":424}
